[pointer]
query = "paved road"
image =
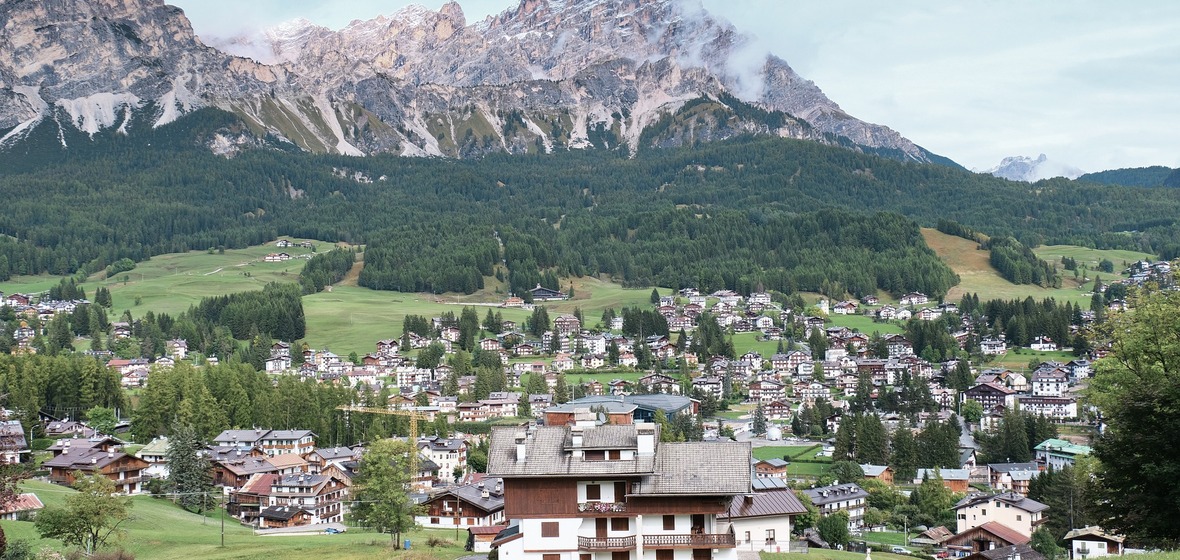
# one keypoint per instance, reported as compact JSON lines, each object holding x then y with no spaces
{"x":300,"y":530}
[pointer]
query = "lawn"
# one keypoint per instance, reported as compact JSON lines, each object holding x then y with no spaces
{"x":745,"y":342}
{"x":779,"y":451}
{"x":977,"y":276}
{"x":827,"y":554}
{"x":889,"y":538}
{"x":1018,"y":359}
{"x":1090,"y":258}
{"x":865,"y":324}
{"x":171,"y":283}
{"x":347,"y":319}
{"x":160,"y":530}
{"x":353,"y":319}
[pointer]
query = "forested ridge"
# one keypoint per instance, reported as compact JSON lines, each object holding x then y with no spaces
{"x":787,"y":215}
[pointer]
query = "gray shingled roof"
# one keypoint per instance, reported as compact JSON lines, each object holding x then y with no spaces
{"x":696,"y":468}
{"x":1012,"y":498}
{"x":765,"y":504}
{"x":835,"y":493}
{"x":545,"y":456}
{"x":699,"y":468}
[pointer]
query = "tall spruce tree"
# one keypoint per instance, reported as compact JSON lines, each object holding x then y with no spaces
{"x":188,"y":470}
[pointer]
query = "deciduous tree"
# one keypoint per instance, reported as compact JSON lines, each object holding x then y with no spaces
{"x":89,"y":518}
{"x":381,"y":492}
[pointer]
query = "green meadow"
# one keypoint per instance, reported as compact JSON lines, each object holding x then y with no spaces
{"x":346,"y":319}
{"x":977,"y":276}
{"x":160,"y":530}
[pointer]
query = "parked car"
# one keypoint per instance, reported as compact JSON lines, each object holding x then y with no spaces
{"x":899,"y":550}
{"x":333,"y":531}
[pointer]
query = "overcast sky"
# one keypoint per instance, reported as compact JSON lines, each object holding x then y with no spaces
{"x":1091,"y":84}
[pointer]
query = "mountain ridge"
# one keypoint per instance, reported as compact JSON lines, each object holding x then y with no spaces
{"x":544,"y":76}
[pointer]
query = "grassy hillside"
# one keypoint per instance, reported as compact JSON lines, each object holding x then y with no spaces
{"x":1088,"y":257}
{"x":171,"y":283}
{"x":977,"y":275}
{"x":160,"y":530}
{"x":348,"y":318}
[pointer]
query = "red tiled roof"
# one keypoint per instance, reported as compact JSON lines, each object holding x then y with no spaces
{"x":259,"y":484}
{"x":1003,"y":532}
{"x":492,"y":530}
{"x":23,"y":502}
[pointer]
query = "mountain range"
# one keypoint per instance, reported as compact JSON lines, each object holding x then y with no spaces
{"x":1030,"y":170}
{"x":544,"y":76}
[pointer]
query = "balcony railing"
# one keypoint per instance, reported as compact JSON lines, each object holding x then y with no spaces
{"x":609,"y":543}
{"x":706,"y":540}
{"x":602,"y":507}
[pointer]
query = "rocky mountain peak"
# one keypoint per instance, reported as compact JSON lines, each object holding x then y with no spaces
{"x":544,"y":75}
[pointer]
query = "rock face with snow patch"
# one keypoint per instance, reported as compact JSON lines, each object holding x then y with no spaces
{"x":1022,"y":168}
{"x":549,"y":74}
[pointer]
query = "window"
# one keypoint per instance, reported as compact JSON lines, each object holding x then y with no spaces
{"x":620,"y":490}
{"x":594,"y":455}
{"x":770,"y":535}
{"x":669,"y":523}
{"x":614,"y":455}
{"x":1018,"y":518}
{"x":665,"y":554}
{"x":549,"y":529}
{"x":585,"y":556}
{"x":620,"y":524}
{"x":747,"y":539}
{"x":593,"y":491}
{"x":550,"y":557}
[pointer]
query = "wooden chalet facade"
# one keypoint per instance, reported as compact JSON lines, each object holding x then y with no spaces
{"x":480,"y":504}
{"x":615,"y":491}
{"x":100,"y":457}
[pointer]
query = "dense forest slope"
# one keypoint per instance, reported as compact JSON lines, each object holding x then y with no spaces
{"x":781,"y":213}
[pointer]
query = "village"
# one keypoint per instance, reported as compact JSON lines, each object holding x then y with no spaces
{"x":617,"y":478}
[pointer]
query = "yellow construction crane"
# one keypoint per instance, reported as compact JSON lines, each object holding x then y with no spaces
{"x":413,"y":415}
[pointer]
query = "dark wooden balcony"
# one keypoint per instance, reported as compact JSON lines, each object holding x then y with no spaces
{"x":723,"y":539}
{"x":609,"y":543}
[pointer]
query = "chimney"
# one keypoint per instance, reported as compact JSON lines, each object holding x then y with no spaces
{"x":94,"y":460}
{"x":576,"y":436}
{"x":520,"y":447}
{"x":485,"y":494}
{"x":749,"y":499}
{"x":645,"y":438}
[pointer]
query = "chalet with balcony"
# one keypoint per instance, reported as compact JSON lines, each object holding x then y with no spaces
{"x":450,"y":454}
{"x":322,"y":496}
{"x":480,"y":504}
{"x":848,"y":497}
{"x":126,"y":471}
{"x":1009,"y":509}
{"x":1012,"y":477}
{"x":991,"y":395}
{"x":233,"y":470}
{"x":616,"y":491}
{"x":1092,"y":542}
